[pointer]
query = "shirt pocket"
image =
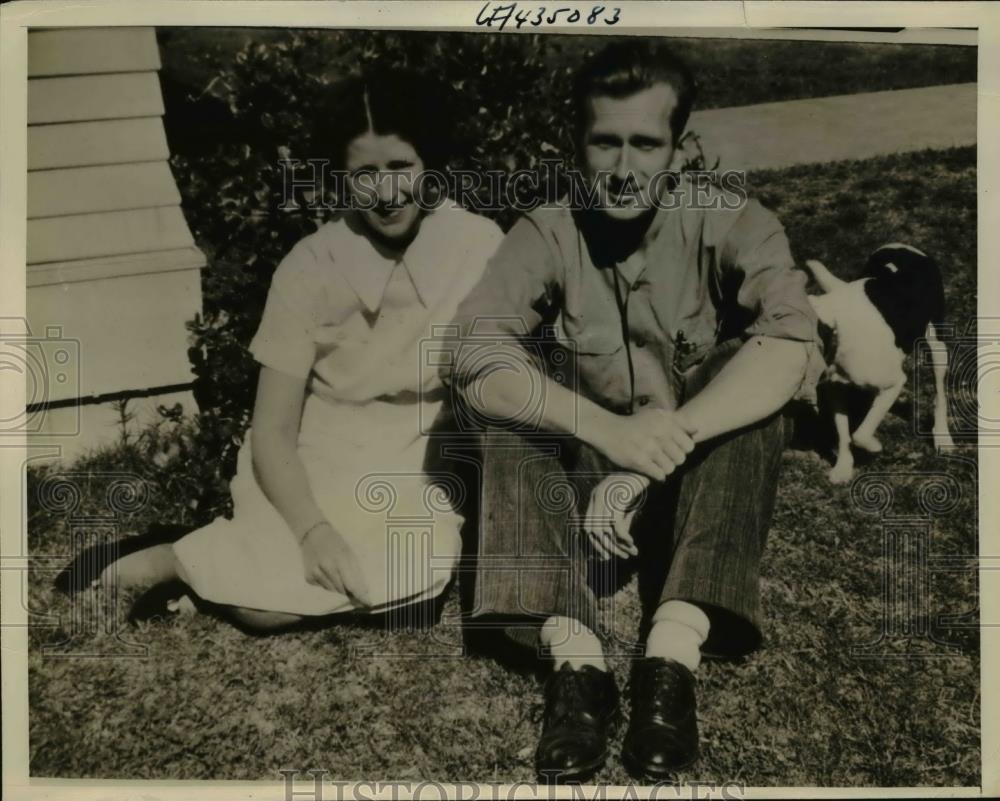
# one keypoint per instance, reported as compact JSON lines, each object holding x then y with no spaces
{"x":598,"y":340}
{"x":602,"y":366}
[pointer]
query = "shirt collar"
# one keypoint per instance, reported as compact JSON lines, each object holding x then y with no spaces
{"x":426,"y":259}
{"x":368,"y":267}
{"x":665,"y":219}
{"x":606,"y":246}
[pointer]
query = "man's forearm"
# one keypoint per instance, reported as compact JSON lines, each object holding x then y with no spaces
{"x":526,"y":395}
{"x":757,"y":381}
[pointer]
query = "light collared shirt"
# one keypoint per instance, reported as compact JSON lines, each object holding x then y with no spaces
{"x":351,"y":317}
{"x":639,"y":324}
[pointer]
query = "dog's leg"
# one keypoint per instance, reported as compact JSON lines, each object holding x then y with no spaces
{"x":939,"y":360}
{"x":864,"y":436}
{"x":844,"y":468}
{"x":827,"y":281}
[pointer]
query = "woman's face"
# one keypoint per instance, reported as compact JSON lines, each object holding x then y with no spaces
{"x":383,"y":170}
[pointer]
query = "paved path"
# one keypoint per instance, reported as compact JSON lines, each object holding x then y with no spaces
{"x":776,"y":135}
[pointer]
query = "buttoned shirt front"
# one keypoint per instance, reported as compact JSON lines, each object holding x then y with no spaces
{"x":704,"y":274}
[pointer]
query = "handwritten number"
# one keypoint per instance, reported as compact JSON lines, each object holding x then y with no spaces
{"x":481,"y":20}
{"x":510,"y":10}
{"x":501,"y":15}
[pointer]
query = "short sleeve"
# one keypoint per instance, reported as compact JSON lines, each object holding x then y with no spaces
{"x":505,"y":305}
{"x":490,"y":238}
{"x":285,"y":339}
{"x":771,"y":289}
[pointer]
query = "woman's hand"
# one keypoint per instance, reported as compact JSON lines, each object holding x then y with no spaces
{"x":330,"y":564}
{"x":613,"y":505}
{"x":653,"y":442}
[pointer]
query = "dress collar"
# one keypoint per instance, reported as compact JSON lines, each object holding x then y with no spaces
{"x":368,"y":267}
{"x":426,"y":258}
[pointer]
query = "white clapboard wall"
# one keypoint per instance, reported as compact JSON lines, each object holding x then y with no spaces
{"x":111,"y":264}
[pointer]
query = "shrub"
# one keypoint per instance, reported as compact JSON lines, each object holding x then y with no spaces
{"x":511,"y":106}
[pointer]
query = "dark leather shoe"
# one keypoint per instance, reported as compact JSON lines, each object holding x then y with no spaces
{"x":581,"y":709}
{"x":79,"y":574}
{"x":662,"y":736}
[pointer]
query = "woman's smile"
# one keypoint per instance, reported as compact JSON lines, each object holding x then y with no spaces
{"x":386,"y":167}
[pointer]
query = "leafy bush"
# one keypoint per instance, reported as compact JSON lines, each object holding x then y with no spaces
{"x":228,"y":141}
{"x":511,"y":104}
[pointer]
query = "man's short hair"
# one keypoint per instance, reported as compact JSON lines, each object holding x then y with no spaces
{"x":625,"y":68}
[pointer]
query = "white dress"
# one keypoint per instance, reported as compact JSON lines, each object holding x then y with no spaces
{"x":360,"y":326}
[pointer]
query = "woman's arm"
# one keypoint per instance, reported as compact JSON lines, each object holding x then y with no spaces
{"x":277,"y":416}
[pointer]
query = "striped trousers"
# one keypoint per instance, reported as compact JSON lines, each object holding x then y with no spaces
{"x":700,"y":534}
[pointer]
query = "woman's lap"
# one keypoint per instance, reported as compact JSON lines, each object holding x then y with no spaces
{"x":406,"y":541}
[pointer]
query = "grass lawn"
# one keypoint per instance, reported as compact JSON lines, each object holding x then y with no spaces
{"x":208,"y":701}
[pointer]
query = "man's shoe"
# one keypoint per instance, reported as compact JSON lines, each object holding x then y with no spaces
{"x":581,"y":708}
{"x":662,"y":736}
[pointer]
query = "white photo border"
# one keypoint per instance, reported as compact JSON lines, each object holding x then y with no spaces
{"x":725,"y":18}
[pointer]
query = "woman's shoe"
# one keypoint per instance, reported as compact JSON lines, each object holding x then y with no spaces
{"x":86,"y":568}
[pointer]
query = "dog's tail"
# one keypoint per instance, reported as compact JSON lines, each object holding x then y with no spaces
{"x":827,"y":281}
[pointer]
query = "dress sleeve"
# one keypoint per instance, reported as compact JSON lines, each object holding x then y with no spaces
{"x":505,"y":306}
{"x":285,"y":339}
{"x":755,"y":251}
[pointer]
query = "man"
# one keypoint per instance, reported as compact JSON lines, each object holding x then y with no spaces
{"x":691,"y":331}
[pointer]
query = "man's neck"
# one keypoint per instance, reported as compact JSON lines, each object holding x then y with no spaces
{"x":612,"y":241}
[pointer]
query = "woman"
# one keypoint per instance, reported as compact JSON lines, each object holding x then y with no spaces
{"x":338,"y":448}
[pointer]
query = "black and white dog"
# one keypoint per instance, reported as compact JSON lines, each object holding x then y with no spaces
{"x":875,"y":321}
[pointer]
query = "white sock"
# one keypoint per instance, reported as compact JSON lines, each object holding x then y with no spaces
{"x":678,"y":631}
{"x":569,"y":641}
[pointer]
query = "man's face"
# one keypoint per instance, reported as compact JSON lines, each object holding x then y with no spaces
{"x":626,"y":142}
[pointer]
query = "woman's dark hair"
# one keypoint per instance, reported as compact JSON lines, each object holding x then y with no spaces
{"x":624,"y":68}
{"x":413,"y":107}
